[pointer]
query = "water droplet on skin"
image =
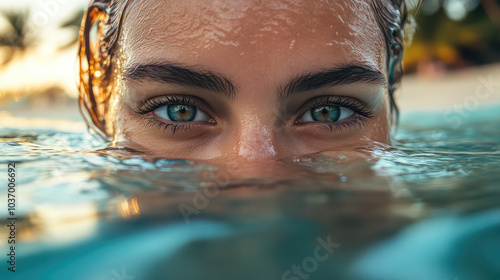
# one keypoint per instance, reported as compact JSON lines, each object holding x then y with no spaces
{"x":343,"y":158}
{"x":256,"y":141}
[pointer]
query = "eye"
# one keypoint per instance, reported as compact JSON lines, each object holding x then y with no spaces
{"x":181,"y":113}
{"x":326,"y":114}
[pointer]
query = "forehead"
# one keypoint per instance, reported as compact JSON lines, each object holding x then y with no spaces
{"x":260,"y":34}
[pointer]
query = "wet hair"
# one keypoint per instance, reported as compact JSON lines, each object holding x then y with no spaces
{"x":105,"y":18}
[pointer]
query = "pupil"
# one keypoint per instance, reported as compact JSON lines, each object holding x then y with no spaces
{"x":325,"y":113}
{"x":181,"y":113}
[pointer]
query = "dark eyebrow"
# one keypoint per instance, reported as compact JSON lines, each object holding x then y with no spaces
{"x":181,"y":75}
{"x":332,"y":77}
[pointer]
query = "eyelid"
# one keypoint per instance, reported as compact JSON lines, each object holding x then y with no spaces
{"x":354,"y":104}
{"x":151,"y":104}
{"x":151,"y":120}
{"x":156,"y":124}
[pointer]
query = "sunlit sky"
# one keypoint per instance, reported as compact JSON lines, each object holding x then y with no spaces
{"x":46,"y":64}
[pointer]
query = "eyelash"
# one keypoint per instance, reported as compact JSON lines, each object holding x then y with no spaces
{"x":151,"y":105}
{"x":362,"y":111}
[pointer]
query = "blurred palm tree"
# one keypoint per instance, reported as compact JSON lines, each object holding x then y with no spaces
{"x":74,"y":23}
{"x":17,"y":38}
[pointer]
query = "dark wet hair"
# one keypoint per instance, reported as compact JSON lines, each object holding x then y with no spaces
{"x":96,"y":61}
{"x":96,"y":78}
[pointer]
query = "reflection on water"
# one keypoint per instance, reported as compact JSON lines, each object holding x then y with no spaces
{"x":426,"y":208}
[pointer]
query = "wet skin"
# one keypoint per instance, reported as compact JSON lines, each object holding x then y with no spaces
{"x":243,"y":81}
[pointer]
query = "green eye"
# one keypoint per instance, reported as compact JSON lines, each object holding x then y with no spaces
{"x":181,"y":113}
{"x":325,"y":113}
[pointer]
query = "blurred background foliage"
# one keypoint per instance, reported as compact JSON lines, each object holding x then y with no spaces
{"x":16,"y":36}
{"x":454,"y":34}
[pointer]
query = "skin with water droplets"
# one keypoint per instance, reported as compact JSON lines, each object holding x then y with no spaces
{"x":258,"y":45}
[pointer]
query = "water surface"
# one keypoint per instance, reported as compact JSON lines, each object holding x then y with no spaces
{"x":427,"y":208}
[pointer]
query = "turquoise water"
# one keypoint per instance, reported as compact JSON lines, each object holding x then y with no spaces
{"x":426,"y":208}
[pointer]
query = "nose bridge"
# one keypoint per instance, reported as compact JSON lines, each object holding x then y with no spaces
{"x":255,"y":140}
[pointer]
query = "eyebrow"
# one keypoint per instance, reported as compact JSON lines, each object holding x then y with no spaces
{"x":332,"y":77}
{"x":181,"y":75}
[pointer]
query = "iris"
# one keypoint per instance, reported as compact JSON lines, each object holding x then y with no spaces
{"x":181,"y":112}
{"x":325,"y":113}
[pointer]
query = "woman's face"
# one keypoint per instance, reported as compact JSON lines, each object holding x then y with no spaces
{"x":248,"y":80}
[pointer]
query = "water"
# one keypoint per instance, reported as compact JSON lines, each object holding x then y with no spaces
{"x":427,"y":208}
